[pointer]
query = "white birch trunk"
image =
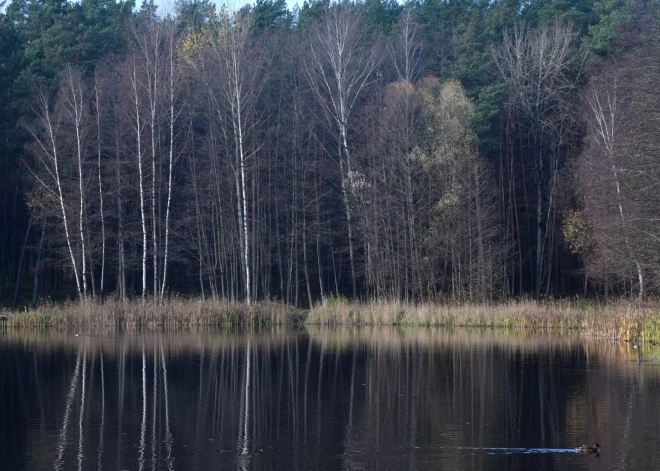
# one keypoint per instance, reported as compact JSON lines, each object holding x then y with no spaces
{"x":605,"y":122}
{"x":246,"y":239}
{"x":172,"y":84}
{"x":149,"y":41}
{"x":98,"y":148}
{"x":238,"y":83}
{"x":234,"y":48}
{"x":337,"y":45}
{"x":74,"y":106}
{"x":53,"y":157}
{"x":154,"y":236}
{"x":138,"y":135}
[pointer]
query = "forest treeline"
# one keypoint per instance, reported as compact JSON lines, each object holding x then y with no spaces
{"x":461,"y":149}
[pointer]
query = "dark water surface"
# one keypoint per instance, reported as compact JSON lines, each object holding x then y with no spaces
{"x":362,"y":398}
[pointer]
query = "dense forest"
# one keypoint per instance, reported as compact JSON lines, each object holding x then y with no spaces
{"x":440,"y":149}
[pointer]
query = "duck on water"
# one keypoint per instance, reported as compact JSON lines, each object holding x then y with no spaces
{"x":588,"y":449}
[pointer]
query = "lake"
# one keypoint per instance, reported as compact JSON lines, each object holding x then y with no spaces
{"x":308,"y":398}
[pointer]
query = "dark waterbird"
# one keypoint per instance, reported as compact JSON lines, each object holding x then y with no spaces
{"x":588,"y":449}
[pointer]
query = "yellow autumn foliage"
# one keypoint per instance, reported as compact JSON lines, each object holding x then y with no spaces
{"x":575,"y":230}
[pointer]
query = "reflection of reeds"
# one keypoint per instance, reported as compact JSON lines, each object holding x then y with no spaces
{"x":619,"y":320}
{"x":171,"y":312}
{"x":201,"y":341}
{"x":404,"y":337}
{"x":134,"y":340}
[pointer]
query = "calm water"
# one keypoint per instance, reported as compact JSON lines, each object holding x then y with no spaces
{"x":363,"y":398}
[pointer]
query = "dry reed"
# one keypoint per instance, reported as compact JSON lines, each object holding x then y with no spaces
{"x":169,"y":312}
{"x":616,"y":320}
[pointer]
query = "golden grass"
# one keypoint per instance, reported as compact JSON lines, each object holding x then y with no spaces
{"x":170,"y":312}
{"x":616,"y":320}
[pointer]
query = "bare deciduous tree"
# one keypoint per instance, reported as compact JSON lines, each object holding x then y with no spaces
{"x":406,"y":48}
{"x":339,"y":66}
{"x":138,"y":129}
{"x":541,"y":69}
{"x":48,"y":140}
{"x":172,"y":90}
{"x":618,"y":172}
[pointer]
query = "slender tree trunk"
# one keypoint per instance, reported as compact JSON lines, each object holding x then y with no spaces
{"x":53,"y":156}
{"x":19,"y":269}
{"x":318,"y":239}
{"x":246,"y":240}
{"x":98,"y":149}
{"x":347,"y":181}
{"x":138,"y":131}
{"x":37,"y":267}
{"x":154,"y":235}
{"x":253,"y":238}
{"x":640,"y":273}
{"x":75,"y":110}
{"x":539,"y":228}
{"x":306,"y":268}
{"x":171,"y":90}
{"x":606,"y":122}
{"x":481,"y":283}
{"x":121,"y":275}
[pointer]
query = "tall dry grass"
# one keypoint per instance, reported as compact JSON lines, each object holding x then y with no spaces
{"x":170,"y":312}
{"x":615,"y":320}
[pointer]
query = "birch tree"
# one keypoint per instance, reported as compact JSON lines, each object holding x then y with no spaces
{"x":47,"y":142}
{"x":172,"y":90}
{"x":74,"y":105}
{"x":97,"y":107}
{"x":406,"y":48}
{"x":148,"y":39}
{"x":339,"y":67}
{"x":240,"y":67}
{"x":618,"y":174}
{"x":604,"y":123}
{"x":138,"y":126}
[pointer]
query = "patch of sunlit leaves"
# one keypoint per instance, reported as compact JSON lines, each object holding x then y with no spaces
{"x":576,"y":231}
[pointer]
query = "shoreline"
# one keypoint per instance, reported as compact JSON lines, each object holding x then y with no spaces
{"x":616,"y":320}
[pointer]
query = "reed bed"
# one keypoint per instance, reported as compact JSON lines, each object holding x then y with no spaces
{"x":169,"y":312}
{"x":618,"y":320}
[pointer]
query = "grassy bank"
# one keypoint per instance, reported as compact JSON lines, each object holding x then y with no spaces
{"x":171,"y":312}
{"x":614,"y":320}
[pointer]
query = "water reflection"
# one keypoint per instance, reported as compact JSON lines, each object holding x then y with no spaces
{"x":341,"y":398}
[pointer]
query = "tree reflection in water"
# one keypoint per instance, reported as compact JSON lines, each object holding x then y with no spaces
{"x":342,"y":398}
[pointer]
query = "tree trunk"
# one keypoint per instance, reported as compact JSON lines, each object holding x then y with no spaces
{"x":98,"y":149}
{"x":37,"y":267}
{"x":138,"y":131}
{"x":20,"y":262}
